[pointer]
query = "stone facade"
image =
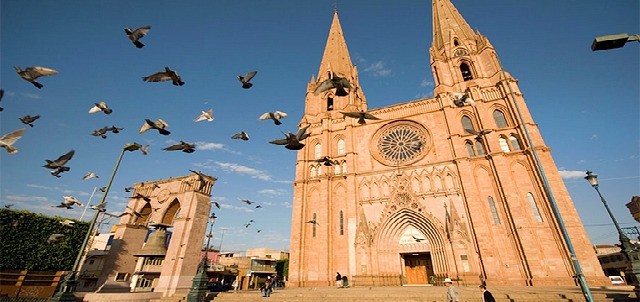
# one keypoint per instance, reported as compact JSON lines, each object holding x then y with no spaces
{"x":179,"y":206}
{"x":436,"y":187}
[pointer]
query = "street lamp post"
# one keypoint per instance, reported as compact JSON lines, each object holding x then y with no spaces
{"x":199,"y":289}
{"x":632,"y":254}
{"x":68,"y":286}
{"x":613,"y":41}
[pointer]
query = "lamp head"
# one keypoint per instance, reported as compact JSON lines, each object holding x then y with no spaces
{"x":592,"y":179}
{"x":609,"y":42}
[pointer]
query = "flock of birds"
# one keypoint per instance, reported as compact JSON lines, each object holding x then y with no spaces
{"x":291,"y":141}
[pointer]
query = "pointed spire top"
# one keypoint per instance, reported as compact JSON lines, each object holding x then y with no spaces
{"x":447,"y":21}
{"x":336,"y":55}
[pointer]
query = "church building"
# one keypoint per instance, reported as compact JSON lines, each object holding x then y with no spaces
{"x":460,"y":185}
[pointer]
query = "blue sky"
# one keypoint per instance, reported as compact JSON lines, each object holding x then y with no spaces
{"x":585,"y":103}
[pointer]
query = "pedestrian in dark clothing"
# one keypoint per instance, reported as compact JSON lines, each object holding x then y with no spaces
{"x":338,"y":280}
{"x":266,"y":288}
{"x":486,"y":295}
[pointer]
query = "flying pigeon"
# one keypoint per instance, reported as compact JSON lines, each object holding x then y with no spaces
{"x":102,"y":106}
{"x":68,"y":223}
{"x":128,"y":189}
{"x":246,"y":78}
{"x":90,"y":175}
{"x":102,"y":132}
{"x":258,"y":206}
{"x":293,"y":141}
{"x":59,"y":163}
{"x":114,"y":129}
{"x":138,"y":196}
{"x":101,"y":207}
{"x":59,"y":171}
{"x":54,"y":238}
{"x":103,"y":189}
{"x":135,"y":146}
{"x":313,"y":222}
{"x":200,"y":178}
{"x":8,"y":206}
{"x":336,"y":82}
{"x":116,"y":215}
{"x":275,"y":116}
{"x":166,"y":75}
{"x":242,"y":135}
{"x":326,"y":161}
{"x":7,"y":140}
{"x":184,"y":147}
{"x":28,"y":119}
{"x":136,"y":35}
{"x":247,"y":201}
{"x":1,"y":95}
{"x":71,"y":200}
{"x":208,"y":116}
{"x":462,"y":98}
{"x":134,"y":212}
{"x":30,"y":74}
{"x":361,"y":116}
{"x":476,"y":133}
{"x":418,"y":239}
{"x":159,"y":125}
{"x":215,"y":203}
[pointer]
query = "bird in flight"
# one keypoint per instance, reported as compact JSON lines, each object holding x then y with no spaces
{"x":28,"y":119}
{"x":159,"y":125}
{"x":244,"y":79}
{"x":90,"y":175}
{"x":60,"y":161}
{"x":30,"y":74}
{"x":101,"y":207}
{"x":247,"y":201}
{"x":128,"y":189}
{"x":200,"y":179}
{"x":68,"y":202}
{"x":7,"y":140}
{"x":418,"y":239}
{"x":183,"y":146}
{"x":361,"y":116}
{"x":326,"y":161}
{"x":242,"y":135}
{"x":478,"y":133}
{"x":102,"y":132}
{"x":293,"y":141}
{"x":313,"y":221}
{"x":166,"y":75}
{"x":8,"y":206}
{"x":215,"y":203}
{"x":275,"y":116}
{"x":461,"y":99}
{"x":135,"y":146}
{"x":114,"y":129}
{"x":54,"y":238}
{"x":138,"y":196}
{"x":205,"y":115}
{"x":101,"y":106}
{"x":68,"y":223}
{"x":137,"y":34}
{"x":1,"y":95}
{"x":334,"y":81}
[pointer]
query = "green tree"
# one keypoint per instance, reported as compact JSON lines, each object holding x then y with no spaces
{"x":24,"y":241}
{"x":282,"y":268}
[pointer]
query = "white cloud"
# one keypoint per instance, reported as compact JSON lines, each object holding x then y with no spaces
{"x":594,"y":136}
{"x":30,"y":95}
{"x":566,"y":174}
{"x":426,"y":83}
{"x":23,"y":198}
{"x":378,"y":69}
{"x":237,"y":208}
{"x":240,"y":169}
{"x":272,"y":192}
{"x":210,"y":146}
{"x":287,"y":205}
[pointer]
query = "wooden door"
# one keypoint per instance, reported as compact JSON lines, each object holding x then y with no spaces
{"x":415,"y":267}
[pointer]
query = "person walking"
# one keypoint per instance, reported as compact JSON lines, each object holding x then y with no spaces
{"x":452,"y":291}
{"x":486,"y":295}
{"x":338,"y":280}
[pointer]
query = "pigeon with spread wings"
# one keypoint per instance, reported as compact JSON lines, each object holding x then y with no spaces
{"x":205,"y":116}
{"x":159,"y":125}
{"x":275,"y":116}
{"x":361,"y":116}
{"x":244,"y":79}
{"x":461,"y":99}
{"x":60,"y":161}
{"x":242,"y":135}
{"x":101,"y":106}
{"x":339,"y":83}
{"x":182,"y":146}
{"x":30,"y":74}
{"x":293,"y":141}
{"x":28,"y":119}
{"x":137,"y":34}
{"x":7,"y":140}
{"x":166,"y":75}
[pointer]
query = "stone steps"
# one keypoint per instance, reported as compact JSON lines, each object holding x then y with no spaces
{"x":422,"y":294}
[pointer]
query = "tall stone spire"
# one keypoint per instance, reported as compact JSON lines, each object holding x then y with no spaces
{"x":447,"y":21}
{"x":336,"y":55}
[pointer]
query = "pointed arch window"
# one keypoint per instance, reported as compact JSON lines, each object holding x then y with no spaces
{"x":465,"y":70}
{"x":498,"y":117}
{"x":317,"y":151}
{"x":329,"y":103}
{"x":341,"y":147}
{"x":480,"y":146}
{"x":466,"y":123}
{"x":344,"y":167}
{"x":314,"y":225}
{"x":503,"y":144}
{"x":313,"y":172}
{"x":515,"y":143}
{"x":534,"y":207}
{"x":336,"y":169}
{"x":494,"y":211}
{"x":470,"y":150}
{"x":341,"y":223}
{"x":455,"y":42}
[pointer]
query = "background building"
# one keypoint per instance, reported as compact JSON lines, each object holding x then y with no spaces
{"x":439,"y":187}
